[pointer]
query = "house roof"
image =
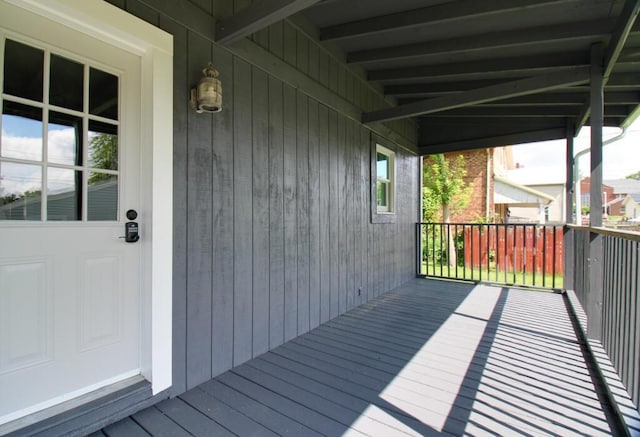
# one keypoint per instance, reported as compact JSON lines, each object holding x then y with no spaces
{"x":624,"y":186}
{"x":509,"y":192}
{"x":616,"y":200}
{"x":533,"y":176}
{"x":476,"y":74}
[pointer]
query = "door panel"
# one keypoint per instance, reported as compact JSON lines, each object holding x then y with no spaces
{"x":69,"y":169}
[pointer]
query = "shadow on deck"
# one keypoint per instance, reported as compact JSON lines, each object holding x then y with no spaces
{"x":429,"y":358}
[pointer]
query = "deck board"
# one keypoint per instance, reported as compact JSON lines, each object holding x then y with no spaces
{"x":191,"y":419}
{"x":231,"y":419}
{"x":125,"y":427}
{"x":157,"y":424}
{"x":429,"y":358}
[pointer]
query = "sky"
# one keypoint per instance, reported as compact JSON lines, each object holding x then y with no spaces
{"x":546,"y":159}
{"x":22,"y":138}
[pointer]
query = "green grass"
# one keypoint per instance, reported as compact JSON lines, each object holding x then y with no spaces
{"x":492,"y":275}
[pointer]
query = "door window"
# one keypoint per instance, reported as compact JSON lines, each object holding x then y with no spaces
{"x":59,"y":143}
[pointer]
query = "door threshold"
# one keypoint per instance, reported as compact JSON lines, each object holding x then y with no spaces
{"x":65,"y":410}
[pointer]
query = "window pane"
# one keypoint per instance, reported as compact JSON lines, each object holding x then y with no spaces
{"x":23,"y":67}
{"x":20,"y":191}
{"x":382,"y":171}
{"x":383,"y":197}
{"x":103,"y":94}
{"x":64,"y":139}
{"x":21,"y":132}
{"x":103,"y":197}
{"x":103,"y":146}
{"x":63,"y":194}
{"x":66,"y":79}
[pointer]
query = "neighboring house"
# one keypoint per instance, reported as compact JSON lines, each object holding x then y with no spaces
{"x":622,"y":189}
{"x":585,"y":193}
{"x":550,"y":208}
{"x":616,"y":206}
{"x":631,"y":206}
{"x":499,"y":193}
{"x":521,"y":203}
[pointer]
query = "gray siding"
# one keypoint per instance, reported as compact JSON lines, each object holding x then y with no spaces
{"x":273,"y":233}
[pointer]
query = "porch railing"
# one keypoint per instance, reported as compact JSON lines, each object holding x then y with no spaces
{"x":512,"y":254}
{"x":603,"y":270}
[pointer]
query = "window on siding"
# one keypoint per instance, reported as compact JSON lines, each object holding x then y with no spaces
{"x":383,"y":184}
{"x":385,"y":169}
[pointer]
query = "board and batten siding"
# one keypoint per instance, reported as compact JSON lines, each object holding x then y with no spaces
{"x":272,"y":214}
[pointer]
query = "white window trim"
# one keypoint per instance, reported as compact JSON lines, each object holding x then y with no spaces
{"x":391,"y":181}
{"x":100,"y":19}
{"x":383,"y":215}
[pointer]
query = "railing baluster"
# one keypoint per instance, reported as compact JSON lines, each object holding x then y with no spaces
{"x":620,"y":288}
{"x":487,"y":251}
{"x":635,"y":343}
{"x":535,"y":252}
{"x":506,"y":254}
{"x":455,"y":245}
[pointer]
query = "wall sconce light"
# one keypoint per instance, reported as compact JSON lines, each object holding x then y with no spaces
{"x":207,"y":96}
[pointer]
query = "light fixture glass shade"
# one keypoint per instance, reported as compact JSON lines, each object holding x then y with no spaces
{"x":207,"y":96}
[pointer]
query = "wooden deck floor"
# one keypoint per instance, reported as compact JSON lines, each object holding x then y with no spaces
{"x":429,"y":358}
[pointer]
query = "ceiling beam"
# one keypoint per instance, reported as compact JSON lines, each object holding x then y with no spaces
{"x":532,"y":100}
{"x":494,"y":141}
{"x":611,"y":111}
{"x":508,"y":67}
{"x":256,"y":17}
{"x":589,"y":31}
{"x":437,"y":88}
{"x":620,"y":34}
{"x":505,"y":90}
{"x":571,"y":99}
{"x":510,"y":112}
{"x":619,"y":82}
{"x":430,"y":15}
{"x":623,"y":27}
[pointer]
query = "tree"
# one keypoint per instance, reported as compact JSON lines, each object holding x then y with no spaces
{"x":444,"y":189}
{"x":444,"y":185}
{"x":103,"y":149}
{"x":635,"y":176}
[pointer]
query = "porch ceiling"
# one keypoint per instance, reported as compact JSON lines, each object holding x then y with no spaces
{"x":487,"y":73}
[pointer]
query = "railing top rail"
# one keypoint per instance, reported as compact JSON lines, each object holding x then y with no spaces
{"x":628,"y":235}
{"x":491,"y":224}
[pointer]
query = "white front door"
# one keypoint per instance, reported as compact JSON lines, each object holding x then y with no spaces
{"x":70,"y":302}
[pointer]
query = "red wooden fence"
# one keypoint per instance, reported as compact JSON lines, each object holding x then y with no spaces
{"x":514,"y":248}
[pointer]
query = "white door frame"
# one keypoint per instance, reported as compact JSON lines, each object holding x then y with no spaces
{"x":110,"y":24}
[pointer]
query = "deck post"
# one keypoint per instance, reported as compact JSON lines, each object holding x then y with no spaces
{"x":568,"y":237}
{"x":594,"y":299}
